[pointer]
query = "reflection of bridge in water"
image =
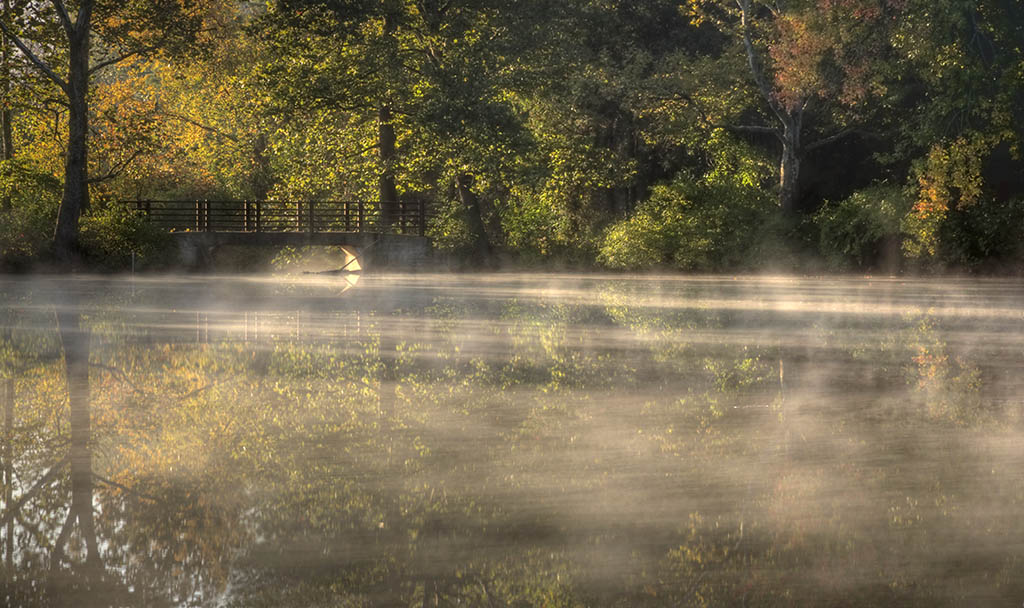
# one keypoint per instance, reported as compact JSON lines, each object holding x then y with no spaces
{"x":298,"y":326}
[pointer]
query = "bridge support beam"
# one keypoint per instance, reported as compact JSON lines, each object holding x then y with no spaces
{"x":398,"y":251}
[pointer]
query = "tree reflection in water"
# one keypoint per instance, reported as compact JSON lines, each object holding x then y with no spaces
{"x":75,"y":342}
{"x":580,"y":442}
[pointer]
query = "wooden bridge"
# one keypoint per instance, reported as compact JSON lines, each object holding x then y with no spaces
{"x":311,"y":217}
{"x":397,"y":230}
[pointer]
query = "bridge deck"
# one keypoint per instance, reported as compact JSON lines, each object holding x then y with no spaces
{"x":292,"y":239}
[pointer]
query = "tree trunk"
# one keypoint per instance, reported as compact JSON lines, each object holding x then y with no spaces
{"x":789,"y":165}
{"x":789,"y":175}
{"x":474,"y":217}
{"x":76,"y":183}
{"x":388,"y":155}
{"x":791,"y":118}
{"x":261,"y":179}
{"x":6,"y":136}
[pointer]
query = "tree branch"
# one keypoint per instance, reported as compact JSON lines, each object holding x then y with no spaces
{"x":120,"y":375}
{"x":57,"y":555}
{"x":32,"y":528}
{"x":84,"y":14}
{"x":118,"y":59}
{"x":62,"y":14}
{"x":196,"y":391}
{"x":118,"y":170}
{"x":123,"y":488}
{"x":754,"y":63}
{"x":702,"y":116}
{"x":751,"y":129}
{"x":214,"y":130}
{"x":39,"y":63}
{"x":832,"y":138}
{"x":12,"y":510}
{"x":361,"y":151}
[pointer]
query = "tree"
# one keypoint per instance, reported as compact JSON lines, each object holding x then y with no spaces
{"x":194,"y":127}
{"x":353,"y":60}
{"x":815,"y":66}
{"x":57,"y":34}
{"x":595,"y":63}
{"x":472,"y":134}
{"x":961,"y":132}
{"x":419,"y":85}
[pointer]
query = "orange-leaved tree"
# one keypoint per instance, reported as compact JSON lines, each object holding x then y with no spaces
{"x":69,"y":43}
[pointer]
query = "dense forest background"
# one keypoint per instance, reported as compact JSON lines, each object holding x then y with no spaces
{"x":702,"y":135}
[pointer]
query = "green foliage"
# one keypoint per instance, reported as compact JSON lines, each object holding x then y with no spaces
{"x":534,"y":229}
{"x":641,"y":242}
{"x":691,"y":227}
{"x":987,"y":233}
{"x":853,"y":231}
{"x":28,"y":209}
{"x":113,"y":234}
{"x":562,"y":115}
{"x":449,"y":230}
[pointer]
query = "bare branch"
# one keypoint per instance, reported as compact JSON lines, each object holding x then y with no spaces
{"x":84,"y":14}
{"x":37,"y":62}
{"x":12,"y":510}
{"x":752,"y":129}
{"x":120,"y":375}
{"x":57,"y":555}
{"x":109,"y":62}
{"x":361,"y":151}
{"x":33,"y":529}
{"x":62,"y":14}
{"x":115,"y":172}
{"x":123,"y":488}
{"x":214,"y":130}
{"x":703,"y":117}
{"x":196,"y":391}
{"x":834,"y":138}
{"x":754,"y":62}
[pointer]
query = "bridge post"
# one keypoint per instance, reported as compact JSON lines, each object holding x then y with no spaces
{"x":199,"y":216}
{"x":362,"y":216}
{"x":423,"y":218}
{"x":312,"y":206}
{"x":298,"y":216}
{"x":259,"y":216}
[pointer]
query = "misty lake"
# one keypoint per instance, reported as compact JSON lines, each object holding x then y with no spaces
{"x":511,"y":440}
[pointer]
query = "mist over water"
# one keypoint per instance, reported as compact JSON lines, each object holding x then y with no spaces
{"x":511,"y":439}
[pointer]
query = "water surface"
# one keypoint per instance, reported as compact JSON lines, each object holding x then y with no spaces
{"x":527,"y":440}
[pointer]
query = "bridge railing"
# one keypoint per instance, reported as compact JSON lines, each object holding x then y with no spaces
{"x":400,"y":217}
